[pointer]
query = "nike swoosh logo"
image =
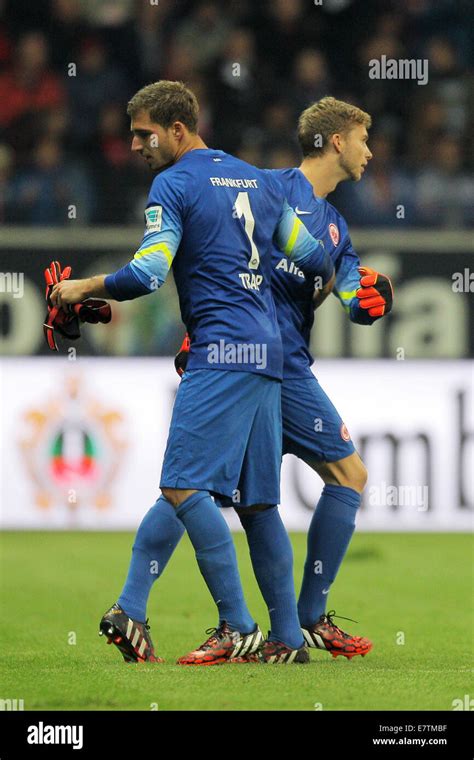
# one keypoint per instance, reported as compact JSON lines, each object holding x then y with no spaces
{"x":325,"y":591}
{"x":298,"y":211}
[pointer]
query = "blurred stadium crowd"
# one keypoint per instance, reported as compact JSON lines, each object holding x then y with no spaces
{"x":68,"y":67}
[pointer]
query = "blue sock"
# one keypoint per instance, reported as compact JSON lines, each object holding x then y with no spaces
{"x":272,"y":560}
{"x":215,"y":554}
{"x":330,"y":532}
{"x":157,"y":537}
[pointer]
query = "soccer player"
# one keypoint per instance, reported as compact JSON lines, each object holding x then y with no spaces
{"x":212,"y":218}
{"x":333,"y":138}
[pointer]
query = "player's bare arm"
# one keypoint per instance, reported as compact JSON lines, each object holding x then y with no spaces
{"x":321,"y":294}
{"x":75,"y":291}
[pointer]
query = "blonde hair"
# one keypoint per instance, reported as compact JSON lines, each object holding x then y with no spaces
{"x":323,"y":119}
{"x":166,"y":102}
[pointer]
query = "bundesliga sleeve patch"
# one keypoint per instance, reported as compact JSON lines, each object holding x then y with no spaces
{"x":153,"y":218}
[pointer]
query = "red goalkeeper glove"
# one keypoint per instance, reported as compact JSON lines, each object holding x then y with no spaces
{"x":181,"y":358}
{"x":375,"y":293}
{"x":65,"y":320}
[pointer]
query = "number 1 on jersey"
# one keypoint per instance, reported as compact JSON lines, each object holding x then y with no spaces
{"x":242,"y":207}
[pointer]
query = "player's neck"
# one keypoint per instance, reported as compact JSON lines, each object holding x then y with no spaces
{"x":321,"y":174}
{"x":194,"y":143}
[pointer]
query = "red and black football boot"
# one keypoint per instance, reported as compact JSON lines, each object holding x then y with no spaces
{"x":129,"y":636}
{"x":222,"y":645}
{"x":275,"y":653}
{"x":326,"y":635}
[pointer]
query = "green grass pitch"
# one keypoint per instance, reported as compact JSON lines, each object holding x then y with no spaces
{"x":411,"y":593}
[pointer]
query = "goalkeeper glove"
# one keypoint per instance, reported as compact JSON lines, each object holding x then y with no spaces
{"x":181,"y":358}
{"x":375,"y":293}
{"x":65,"y":320}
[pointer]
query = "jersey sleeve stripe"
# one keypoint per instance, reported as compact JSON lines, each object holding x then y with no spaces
{"x":154,"y":249}
{"x":347,"y":295}
{"x":293,"y":236}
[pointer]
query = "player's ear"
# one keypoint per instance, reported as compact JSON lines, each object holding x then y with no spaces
{"x":177,"y":129}
{"x":336,"y":140}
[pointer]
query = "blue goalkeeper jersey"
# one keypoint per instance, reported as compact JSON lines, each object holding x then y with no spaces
{"x":292,"y":291}
{"x":215,"y":219}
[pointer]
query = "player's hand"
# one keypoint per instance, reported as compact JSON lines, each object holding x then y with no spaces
{"x":68,"y":292}
{"x":375,"y":292}
{"x":63,"y":315}
{"x":181,"y":358}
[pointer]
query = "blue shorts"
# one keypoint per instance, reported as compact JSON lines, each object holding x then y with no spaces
{"x":225,"y":436}
{"x":312,"y":428}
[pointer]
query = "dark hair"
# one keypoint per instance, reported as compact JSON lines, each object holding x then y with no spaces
{"x":166,"y":102}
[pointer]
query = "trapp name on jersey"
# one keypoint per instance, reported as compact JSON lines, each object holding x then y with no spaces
{"x":215,"y":220}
